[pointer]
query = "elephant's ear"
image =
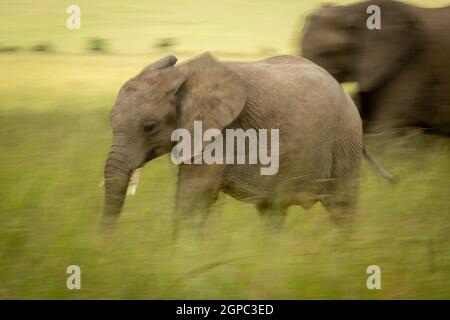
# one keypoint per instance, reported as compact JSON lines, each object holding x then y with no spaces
{"x":385,"y":50}
{"x":162,"y":63}
{"x":210,"y":92}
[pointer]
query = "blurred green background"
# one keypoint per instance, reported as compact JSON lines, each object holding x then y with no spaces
{"x":55,"y":96}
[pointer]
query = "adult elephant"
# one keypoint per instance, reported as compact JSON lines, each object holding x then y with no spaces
{"x":320,"y":133}
{"x":402,"y":69}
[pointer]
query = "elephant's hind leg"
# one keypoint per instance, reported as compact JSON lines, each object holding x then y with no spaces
{"x":273,"y":215}
{"x":341,"y":202}
{"x":341,"y":211}
{"x":342,"y":191}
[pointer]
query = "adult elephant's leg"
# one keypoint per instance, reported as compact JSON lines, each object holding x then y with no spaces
{"x":273,"y":215}
{"x":398,"y":104}
{"x":197,"y":189}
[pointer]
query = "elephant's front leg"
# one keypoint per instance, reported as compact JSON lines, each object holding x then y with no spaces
{"x":197,"y":189}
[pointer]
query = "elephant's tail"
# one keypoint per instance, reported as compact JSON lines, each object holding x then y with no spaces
{"x":380,"y":170}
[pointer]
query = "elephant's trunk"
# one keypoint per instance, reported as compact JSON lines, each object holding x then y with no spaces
{"x":117,"y":177}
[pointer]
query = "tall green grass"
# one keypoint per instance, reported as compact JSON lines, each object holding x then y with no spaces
{"x":55,"y":137}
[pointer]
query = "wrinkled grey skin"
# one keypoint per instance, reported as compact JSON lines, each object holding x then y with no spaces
{"x":402,"y":69}
{"x":320,"y":133}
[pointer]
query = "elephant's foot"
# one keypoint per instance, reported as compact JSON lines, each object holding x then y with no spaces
{"x":272,"y":215}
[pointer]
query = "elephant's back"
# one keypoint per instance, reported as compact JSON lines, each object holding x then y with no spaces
{"x":297,"y":93}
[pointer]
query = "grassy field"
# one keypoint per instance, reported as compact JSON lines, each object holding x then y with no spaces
{"x":54,"y":137}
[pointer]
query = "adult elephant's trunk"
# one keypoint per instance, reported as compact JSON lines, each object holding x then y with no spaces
{"x":117,"y":177}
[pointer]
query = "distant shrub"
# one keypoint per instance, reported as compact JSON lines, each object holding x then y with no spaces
{"x":165,"y":43}
{"x":42,"y":47}
{"x":97,"y":45}
{"x":9,"y":49}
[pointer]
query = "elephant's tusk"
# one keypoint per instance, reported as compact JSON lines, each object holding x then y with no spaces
{"x":134,"y":181}
{"x":132,"y":186}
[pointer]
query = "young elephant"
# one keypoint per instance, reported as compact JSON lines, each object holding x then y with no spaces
{"x":320,"y":133}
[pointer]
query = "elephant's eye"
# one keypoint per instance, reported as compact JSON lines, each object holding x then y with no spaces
{"x":149,"y":127}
